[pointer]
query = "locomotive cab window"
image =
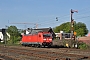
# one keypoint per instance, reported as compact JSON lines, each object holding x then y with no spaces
{"x":46,"y":35}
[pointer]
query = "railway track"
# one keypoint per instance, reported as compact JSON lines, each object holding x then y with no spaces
{"x":6,"y":57}
{"x":29,"y":53}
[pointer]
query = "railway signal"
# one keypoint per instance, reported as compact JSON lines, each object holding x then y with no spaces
{"x":72,"y":22}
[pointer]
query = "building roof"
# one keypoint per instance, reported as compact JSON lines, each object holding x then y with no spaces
{"x":88,"y":34}
{"x":85,"y":39}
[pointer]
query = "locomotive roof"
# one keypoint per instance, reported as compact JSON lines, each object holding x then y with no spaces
{"x":43,"y":30}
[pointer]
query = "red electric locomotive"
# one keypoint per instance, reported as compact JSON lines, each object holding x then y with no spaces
{"x":38,"y":38}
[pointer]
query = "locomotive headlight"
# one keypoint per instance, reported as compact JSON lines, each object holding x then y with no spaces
{"x":44,"y":39}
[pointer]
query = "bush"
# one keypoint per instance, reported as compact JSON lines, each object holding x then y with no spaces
{"x":83,"y":46}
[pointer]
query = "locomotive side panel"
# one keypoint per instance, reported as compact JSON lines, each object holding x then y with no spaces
{"x":40,"y":39}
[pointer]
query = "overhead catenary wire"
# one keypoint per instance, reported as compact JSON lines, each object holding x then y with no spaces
{"x":52,"y":20}
{"x":66,"y":17}
{"x":25,"y":23}
{"x":84,"y":10}
{"x":82,"y":17}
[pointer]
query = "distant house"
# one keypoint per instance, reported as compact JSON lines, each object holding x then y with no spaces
{"x":63,"y":35}
{"x":88,"y":34}
{"x":2,"y":35}
{"x":85,"y":39}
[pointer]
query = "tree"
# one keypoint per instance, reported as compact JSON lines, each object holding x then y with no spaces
{"x":14,"y":34}
{"x":79,"y":27}
{"x":63,"y":27}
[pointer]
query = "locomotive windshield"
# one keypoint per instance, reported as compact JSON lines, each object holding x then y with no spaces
{"x":46,"y":35}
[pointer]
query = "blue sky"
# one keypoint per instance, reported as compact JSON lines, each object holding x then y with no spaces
{"x":43,"y":12}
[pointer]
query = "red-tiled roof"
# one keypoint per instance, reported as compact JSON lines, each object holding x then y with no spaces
{"x":85,"y":39}
{"x":88,"y":34}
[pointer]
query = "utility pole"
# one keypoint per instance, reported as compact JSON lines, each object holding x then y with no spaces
{"x":72,"y":22}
